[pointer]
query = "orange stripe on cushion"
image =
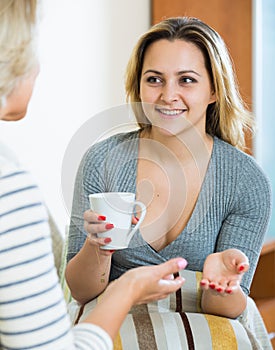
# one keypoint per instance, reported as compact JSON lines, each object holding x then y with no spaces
{"x":199,"y":290}
{"x":118,"y":343}
{"x":222,"y":333}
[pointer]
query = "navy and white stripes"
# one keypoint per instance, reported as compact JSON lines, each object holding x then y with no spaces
{"x":33,"y":313}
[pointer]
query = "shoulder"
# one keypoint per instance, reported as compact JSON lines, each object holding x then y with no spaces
{"x":240,"y":164}
{"x":7,"y":167}
{"x":19,"y":193}
{"x":98,"y":152}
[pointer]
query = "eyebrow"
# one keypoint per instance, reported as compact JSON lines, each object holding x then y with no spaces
{"x":178,"y":73}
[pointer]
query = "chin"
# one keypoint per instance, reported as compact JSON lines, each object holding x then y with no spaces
{"x":14,"y":117}
{"x":164,"y":131}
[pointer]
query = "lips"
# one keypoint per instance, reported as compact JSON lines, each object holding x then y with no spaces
{"x":170,"y":113}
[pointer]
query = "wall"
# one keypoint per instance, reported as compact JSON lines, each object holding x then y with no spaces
{"x":264,"y":53}
{"x":84,"y":46}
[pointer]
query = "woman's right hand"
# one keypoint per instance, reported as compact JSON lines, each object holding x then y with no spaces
{"x":149,"y":283}
{"x":95,"y":223}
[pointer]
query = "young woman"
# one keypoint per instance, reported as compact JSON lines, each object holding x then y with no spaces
{"x":32,"y":309}
{"x":206,"y":199}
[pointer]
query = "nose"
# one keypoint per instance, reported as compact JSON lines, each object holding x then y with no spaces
{"x":169,"y":93}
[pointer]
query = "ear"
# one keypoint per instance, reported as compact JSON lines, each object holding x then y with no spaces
{"x":212,"y":97}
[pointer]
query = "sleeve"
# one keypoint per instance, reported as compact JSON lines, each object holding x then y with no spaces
{"x":245,"y":225}
{"x":86,"y":334}
{"x":33,"y":312}
{"x":89,"y":179}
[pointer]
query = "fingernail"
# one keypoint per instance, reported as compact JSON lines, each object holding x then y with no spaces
{"x":107,"y":240}
{"x":241,"y":268}
{"x":112,"y":251}
{"x":212,"y":286}
{"x":101,"y":218}
{"x":136,"y":218}
{"x":219,"y":290}
{"x":203,"y":283}
{"x":229,"y":291}
{"x":109,"y":226}
{"x":182,"y":263}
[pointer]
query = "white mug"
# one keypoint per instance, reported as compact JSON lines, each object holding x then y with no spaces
{"x":118,"y":207}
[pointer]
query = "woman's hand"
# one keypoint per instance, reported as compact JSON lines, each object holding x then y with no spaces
{"x":223,"y":271}
{"x":148,"y":283}
{"x":95,"y":223}
{"x":137,"y":286}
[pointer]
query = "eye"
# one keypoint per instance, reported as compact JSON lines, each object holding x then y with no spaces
{"x":187,"y":80}
{"x":154,"y":80}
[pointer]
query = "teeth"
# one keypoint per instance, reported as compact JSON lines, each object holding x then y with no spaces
{"x":171,"y":112}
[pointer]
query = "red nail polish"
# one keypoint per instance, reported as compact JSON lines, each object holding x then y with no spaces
{"x":241,"y":268}
{"x":109,"y":226}
{"x":229,"y":291}
{"x":212,"y":285}
{"x":101,"y":218}
{"x":107,"y":240}
{"x":136,"y":218}
{"x":219,"y":290}
{"x":111,"y":251}
{"x":203,"y":283}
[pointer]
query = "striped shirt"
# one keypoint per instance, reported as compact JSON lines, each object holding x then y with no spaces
{"x":33,"y":313}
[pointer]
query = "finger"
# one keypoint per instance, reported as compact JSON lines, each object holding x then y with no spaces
{"x":91,"y":216}
{"x":135,"y":220}
{"x":232,"y":287}
{"x":97,"y":228}
{"x":172,"y":266}
{"x":171,"y":285}
{"x":243,"y":267}
{"x":221,"y":285}
{"x":204,"y":283}
{"x":99,"y":241}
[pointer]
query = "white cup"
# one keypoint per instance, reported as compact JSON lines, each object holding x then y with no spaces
{"x":118,"y":207}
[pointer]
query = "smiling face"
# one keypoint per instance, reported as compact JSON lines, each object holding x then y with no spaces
{"x":175,"y":87}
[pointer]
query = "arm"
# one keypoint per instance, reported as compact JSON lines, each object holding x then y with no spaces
{"x":136,"y":286}
{"x":243,"y":233}
{"x":31,"y":300}
{"x":86,"y":262}
{"x":87,"y":274}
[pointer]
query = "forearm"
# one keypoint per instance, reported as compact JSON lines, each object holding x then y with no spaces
{"x":136,"y":286}
{"x":111,"y":311}
{"x":87,"y":274}
{"x":231,"y":305}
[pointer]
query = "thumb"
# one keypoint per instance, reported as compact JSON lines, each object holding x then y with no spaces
{"x":172,"y":266}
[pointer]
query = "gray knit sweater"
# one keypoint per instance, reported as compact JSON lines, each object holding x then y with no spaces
{"x":232,"y":210}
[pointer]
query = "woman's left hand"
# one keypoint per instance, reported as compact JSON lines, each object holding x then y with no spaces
{"x":223,"y":271}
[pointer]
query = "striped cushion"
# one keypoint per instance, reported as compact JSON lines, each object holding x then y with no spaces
{"x":176,"y":323}
{"x":176,"y":331}
{"x":144,"y":330}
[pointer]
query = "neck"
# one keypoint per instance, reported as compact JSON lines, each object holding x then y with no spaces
{"x":189,"y":145}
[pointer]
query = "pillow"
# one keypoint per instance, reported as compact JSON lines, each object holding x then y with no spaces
{"x":177,"y":323}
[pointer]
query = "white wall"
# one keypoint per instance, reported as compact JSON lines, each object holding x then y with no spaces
{"x":84,"y":47}
{"x":264,"y":76}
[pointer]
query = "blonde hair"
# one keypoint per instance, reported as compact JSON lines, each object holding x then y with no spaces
{"x":228,"y":117}
{"x":17,"y":53}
